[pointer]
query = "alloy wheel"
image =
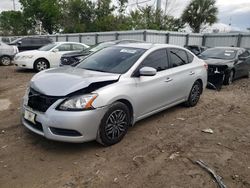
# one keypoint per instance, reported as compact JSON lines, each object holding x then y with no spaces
{"x":195,"y":93}
{"x":5,"y":61}
{"x":41,"y":65}
{"x":116,"y":124}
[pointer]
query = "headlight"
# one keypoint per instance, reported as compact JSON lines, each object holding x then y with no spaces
{"x":78,"y":103}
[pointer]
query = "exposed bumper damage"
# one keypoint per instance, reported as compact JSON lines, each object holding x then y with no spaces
{"x":216,"y":76}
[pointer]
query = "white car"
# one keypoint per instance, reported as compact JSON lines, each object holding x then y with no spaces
{"x":47,"y":56}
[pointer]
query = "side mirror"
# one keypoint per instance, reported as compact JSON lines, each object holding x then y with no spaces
{"x":55,"y":50}
{"x":147,"y":71}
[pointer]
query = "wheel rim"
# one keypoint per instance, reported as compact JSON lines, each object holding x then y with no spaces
{"x":195,"y":93}
{"x":5,"y":61}
{"x":116,"y":124}
{"x":41,"y":65}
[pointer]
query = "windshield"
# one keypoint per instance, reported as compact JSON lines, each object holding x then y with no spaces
{"x":112,"y":59}
{"x":47,"y":47}
{"x":219,"y":53}
{"x":101,"y":46}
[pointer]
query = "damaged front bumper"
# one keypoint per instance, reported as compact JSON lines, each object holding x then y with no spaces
{"x":216,"y":76}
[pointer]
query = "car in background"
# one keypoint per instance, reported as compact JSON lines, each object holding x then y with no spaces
{"x":47,"y":56}
{"x":30,"y":43}
{"x":74,"y":57}
{"x":196,"y":49}
{"x":225,"y":64}
{"x":7,"y":53}
{"x":111,"y":90}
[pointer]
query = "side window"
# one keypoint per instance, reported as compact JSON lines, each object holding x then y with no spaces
{"x":64,"y":47}
{"x":190,"y":57}
{"x":178,"y":57}
{"x":157,"y":60}
{"x":77,"y":47}
{"x":26,"y":41}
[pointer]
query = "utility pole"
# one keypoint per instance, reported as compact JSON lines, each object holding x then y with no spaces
{"x":14,"y":5}
{"x":158,"y":5}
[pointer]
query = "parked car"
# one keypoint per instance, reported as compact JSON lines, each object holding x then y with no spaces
{"x":47,"y":56}
{"x":196,"y":49}
{"x":30,"y":43}
{"x":111,"y":90}
{"x":7,"y":53}
{"x":225,"y":64}
{"x":74,"y":57}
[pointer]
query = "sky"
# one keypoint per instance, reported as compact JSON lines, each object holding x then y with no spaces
{"x":235,"y":11}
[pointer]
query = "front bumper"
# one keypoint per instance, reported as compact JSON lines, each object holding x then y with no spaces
{"x":71,"y":126}
{"x":24,"y":63}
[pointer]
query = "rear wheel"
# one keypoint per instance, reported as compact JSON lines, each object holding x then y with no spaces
{"x":114,"y":124}
{"x":194,"y":95}
{"x":5,"y":60}
{"x":41,"y":64}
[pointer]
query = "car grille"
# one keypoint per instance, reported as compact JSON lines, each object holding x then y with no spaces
{"x":212,"y":69}
{"x":40,"y":102}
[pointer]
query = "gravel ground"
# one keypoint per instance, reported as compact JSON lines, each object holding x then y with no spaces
{"x":157,"y":152}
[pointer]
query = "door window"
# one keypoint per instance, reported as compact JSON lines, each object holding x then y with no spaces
{"x":77,"y":47}
{"x":157,"y":60}
{"x":64,"y":47}
{"x":178,"y":57}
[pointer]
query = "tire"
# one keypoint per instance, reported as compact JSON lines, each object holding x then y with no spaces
{"x":229,"y":78}
{"x":194,"y":95}
{"x":114,"y":124}
{"x":41,"y":64}
{"x":5,"y":60}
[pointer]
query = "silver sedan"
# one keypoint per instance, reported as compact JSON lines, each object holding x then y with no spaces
{"x":111,"y":90}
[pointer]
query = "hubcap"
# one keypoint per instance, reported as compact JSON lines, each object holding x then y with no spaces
{"x":41,"y":65}
{"x":195,"y":93}
{"x":5,"y":61}
{"x":116,"y":124}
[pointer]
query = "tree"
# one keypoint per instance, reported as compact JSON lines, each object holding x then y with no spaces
{"x":200,"y":13}
{"x":14,"y":23}
{"x":45,"y":11}
{"x":78,"y":16}
{"x":149,"y":18}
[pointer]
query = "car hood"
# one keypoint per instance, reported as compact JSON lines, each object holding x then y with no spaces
{"x":66,"y":80}
{"x":211,"y":61}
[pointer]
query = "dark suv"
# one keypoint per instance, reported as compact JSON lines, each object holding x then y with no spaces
{"x":30,"y":43}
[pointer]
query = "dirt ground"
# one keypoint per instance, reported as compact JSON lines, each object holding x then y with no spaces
{"x":157,"y":152}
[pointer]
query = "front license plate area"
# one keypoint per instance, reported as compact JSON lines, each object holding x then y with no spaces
{"x":30,"y":116}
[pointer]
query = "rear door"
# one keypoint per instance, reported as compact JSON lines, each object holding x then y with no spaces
{"x":182,"y":71}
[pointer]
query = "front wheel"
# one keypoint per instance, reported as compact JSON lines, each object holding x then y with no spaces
{"x":5,"y":60}
{"x":41,"y":64}
{"x":194,"y":95}
{"x":114,"y":124}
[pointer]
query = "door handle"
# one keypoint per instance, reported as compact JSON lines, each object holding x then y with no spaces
{"x":191,"y":73}
{"x":168,"y":79}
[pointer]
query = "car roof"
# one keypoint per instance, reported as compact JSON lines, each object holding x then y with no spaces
{"x":148,"y":45}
